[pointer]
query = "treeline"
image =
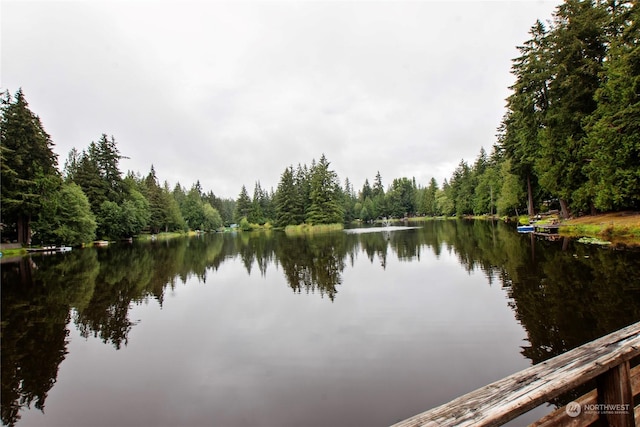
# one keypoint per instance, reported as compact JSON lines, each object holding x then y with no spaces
{"x":90,"y":198}
{"x":314,"y":195}
{"x":570,"y":139}
{"x":572,"y":127}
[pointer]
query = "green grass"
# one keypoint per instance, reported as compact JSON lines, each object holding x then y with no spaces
{"x":164,"y":236}
{"x":582,"y":230}
{"x":418,"y":219}
{"x":13,"y":252}
{"x":618,"y":227}
{"x":306,"y":229}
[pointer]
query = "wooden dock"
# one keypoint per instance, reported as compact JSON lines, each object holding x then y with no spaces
{"x":607,"y":360}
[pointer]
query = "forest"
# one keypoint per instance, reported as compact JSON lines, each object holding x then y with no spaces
{"x":569,"y":140}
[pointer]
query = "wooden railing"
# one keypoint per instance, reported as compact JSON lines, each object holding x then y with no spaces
{"x":607,"y":360}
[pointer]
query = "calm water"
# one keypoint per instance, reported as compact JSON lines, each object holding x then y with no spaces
{"x":255,"y":329}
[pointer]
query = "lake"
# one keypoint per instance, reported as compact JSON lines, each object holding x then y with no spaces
{"x":354,"y":328}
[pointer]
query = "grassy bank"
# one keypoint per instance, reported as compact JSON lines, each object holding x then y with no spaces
{"x":13,"y":252}
{"x":164,"y":236}
{"x":306,"y":229}
{"x":618,"y":227}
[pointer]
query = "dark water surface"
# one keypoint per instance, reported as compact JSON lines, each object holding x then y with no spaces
{"x":261,"y":329}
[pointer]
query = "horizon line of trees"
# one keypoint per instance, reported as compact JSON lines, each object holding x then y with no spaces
{"x":570,"y":139}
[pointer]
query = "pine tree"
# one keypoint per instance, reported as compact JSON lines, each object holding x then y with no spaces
{"x":107,"y":157}
{"x":174,"y":219}
{"x":243,"y":205}
{"x":285,"y":200}
{"x":613,"y":142}
{"x":302,"y":183}
{"x":27,"y":161}
{"x":378,"y":188}
{"x":526,"y":109}
{"x":577,"y":49}
{"x":366,"y":191}
{"x":158,"y":217}
{"x":256,"y":212}
{"x":324,"y":195}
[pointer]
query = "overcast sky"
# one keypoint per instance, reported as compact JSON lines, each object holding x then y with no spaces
{"x":234,"y":92}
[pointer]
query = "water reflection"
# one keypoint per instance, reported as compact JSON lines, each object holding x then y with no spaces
{"x":563,"y":293}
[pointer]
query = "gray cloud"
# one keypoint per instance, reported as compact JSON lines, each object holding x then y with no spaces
{"x":233,"y":93}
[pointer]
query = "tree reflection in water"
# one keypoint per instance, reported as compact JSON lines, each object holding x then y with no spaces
{"x":563,"y":293}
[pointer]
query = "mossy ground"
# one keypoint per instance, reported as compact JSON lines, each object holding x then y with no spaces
{"x":617,"y":227}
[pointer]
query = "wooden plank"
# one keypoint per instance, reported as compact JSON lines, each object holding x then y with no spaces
{"x":635,"y":380}
{"x":506,"y":399}
{"x":614,"y":393}
{"x":559,"y":417}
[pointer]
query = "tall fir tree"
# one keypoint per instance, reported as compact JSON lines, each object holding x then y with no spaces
{"x":28,"y":162}
{"x":526,"y":109}
{"x":613,"y":142}
{"x":324,"y":195}
{"x":285,"y":199}
{"x":243,"y":205}
{"x":577,"y":48}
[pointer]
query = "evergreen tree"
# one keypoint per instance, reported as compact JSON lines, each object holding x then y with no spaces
{"x":243,"y":205}
{"x":87,"y":176}
{"x":107,"y":158}
{"x":302,"y":182}
{"x":285,"y":200}
{"x":486,"y":181}
{"x":613,"y":142}
{"x":366,"y":191}
{"x":179,"y":194}
{"x":228,"y":207}
{"x":71,"y":164}
{"x":173,"y":216}
{"x":349,"y":201}
{"x":445,"y":199}
{"x":193,"y":208}
{"x":461,"y":189}
{"x":157,"y":202}
{"x":401,"y":198}
{"x":258,"y":203}
{"x":378,"y":188}
{"x":324,"y":195}
{"x":519,"y":134}
{"x":380,"y":203}
{"x":27,"y":160}
{"x":429,"y":204}
{"x":577,"y":49}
